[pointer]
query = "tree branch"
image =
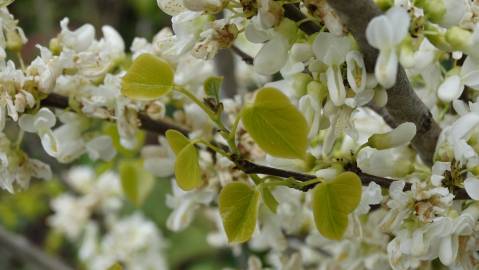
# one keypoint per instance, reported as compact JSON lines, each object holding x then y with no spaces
{"x":403,"y":104}
{"x":21,"y":248}
{"x":146,"y":123}
{"x":248,"y":167}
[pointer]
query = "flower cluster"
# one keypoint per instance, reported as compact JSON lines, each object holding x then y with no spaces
{"x":312,"y":111}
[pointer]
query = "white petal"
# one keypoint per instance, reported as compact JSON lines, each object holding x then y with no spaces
{"x":101,"y":147}
{"x":355,"y":61}
{"x":379,"y":33}
{"x":386,"y":68}
{"x":450,"y":89}
{"x":49,"y":143}
{"x":254,"y":34}
{"x":171,"y":7}
{"x":113,"y":38}
{"x":470,"y":73}
{"x":399,"y":20}
{"x":331,"y":49}
{"x":47,"y":116}
{"x":448,"y":250}
{"x":26,"y":121}
{"x":272,"y":57}
{"x":337,"y":92}
{"x":463,"y":126}
{"x":471,"y":185}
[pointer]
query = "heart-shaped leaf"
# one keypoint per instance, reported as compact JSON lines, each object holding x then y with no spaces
{"x":269,"y":199}
{"x":212,"y":87}
{"x":148,"y":78}
{"x":177,"y":140}
{"x":187,"y":168}
{"x":135,"y":181}
{"x":238,"y":204}
{"x":276,"y":125}
{"x":333,"y":201}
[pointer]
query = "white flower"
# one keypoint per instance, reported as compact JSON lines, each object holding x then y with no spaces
{"x":371,"y":195}
{"x":159,"y":160}
{"x":80,"y":39}
{"x":272,"y":56}
{"x":453,"y":86}
{"x":332,"y":50}
{"x":385,"y":32}
{"x":101,"y":147}
{"x":41,"y":123}
{"x":184,"y":205}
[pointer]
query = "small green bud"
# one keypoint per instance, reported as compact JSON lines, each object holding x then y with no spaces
{"x":55,"y":46}
{"x":384,"y":4}
{"x":402,"y":134}
{"x":288,"y":29}
{"x":14,"y":40}
{"x":300,"y":83}
{"x":436,"y":37}
{"x":433,"y":9}
{"x":459,"y":39}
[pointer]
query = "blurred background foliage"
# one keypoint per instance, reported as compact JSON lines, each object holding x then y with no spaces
{"x":26,"y":212}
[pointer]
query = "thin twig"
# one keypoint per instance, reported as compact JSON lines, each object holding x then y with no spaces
{"x":21,"y":248}
{"x":248,"y":59}
{"x":146,"y":123}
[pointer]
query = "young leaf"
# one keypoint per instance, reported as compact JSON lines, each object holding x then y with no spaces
{"x":333,"y":201}
{"x":212,"y":87}
{"x":269,"y":199}
{"x":276,"y":125}
{"x":177,"y":140}
{"x":135,"y":181}
{"x":238,"y":204}
{"x":187,"y":168}
{"x":148,"y":78}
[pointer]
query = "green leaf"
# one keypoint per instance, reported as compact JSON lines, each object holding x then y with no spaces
{"x":276,"y":125}
{"x":333,"y":201}
{"x":148,"y":78}
{"x":212,"y":87}
{"x":116,"y":266}
{"x":177,"y":140}
{"x":269,"y":199}
{"x":238,"y":204}
{"x":187,"y":168}
{"x":135,"y":181}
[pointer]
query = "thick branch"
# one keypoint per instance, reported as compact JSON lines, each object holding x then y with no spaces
{"x":21,"y":248}
{"x":403,"y":103}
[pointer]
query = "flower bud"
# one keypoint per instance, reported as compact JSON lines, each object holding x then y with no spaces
{"x":433,"y":9}
{"x":14,"y":40}
{"x":402,"y":134}
{"x":300,"y":83}
{"x":459,"y":39}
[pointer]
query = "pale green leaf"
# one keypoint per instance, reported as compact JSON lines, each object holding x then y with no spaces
{"x":238,"y":203}
{"x":212,"y":87}
{"x":269,"y":199}
{"x":177,"y":140}
{"x":333,"y":201}
{"x":187,"y":168}
{"x":276,"y":125}
{"x":136,"y":182}
{"x":148,"y":78}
